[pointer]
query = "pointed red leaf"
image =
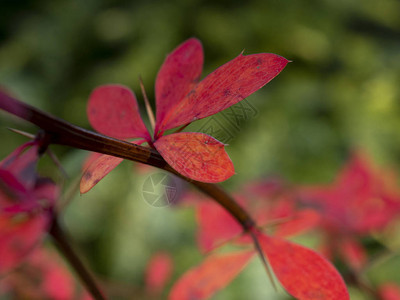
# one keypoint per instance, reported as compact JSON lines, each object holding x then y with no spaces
{"x":224,"y":87}
{"x":179,"y":73}
{"x":213,"y":274}
{"x":97,"y":170}
{"x":196,"y":155}
{"x":304,"y":273}
{"x":113,"y":110}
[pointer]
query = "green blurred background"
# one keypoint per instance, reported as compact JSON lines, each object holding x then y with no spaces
{"x":341,"y":92}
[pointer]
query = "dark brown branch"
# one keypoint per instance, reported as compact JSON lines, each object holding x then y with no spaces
{"x":64,"y":133}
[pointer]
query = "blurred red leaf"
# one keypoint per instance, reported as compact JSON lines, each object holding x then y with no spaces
{"x":362,"y":199}
{"x":215,"y":225}
{"x":43,"y":276}
{"x":196,"y":155}
{"x":113,"y":111}
{"x":213,"y":274}
{"x":22,"y":164}
{"x":18,"y":238}
{"x":304,"y":273}
{"x":25,"y":202}
{"x":158,"y":272}
{"x":353,"y":253}
{"x":266,"y":201}
{"x":301,"y":221}
{"x":389,"y":291}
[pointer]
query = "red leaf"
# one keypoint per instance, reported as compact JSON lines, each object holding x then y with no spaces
{"x":225,"y":87}
{"x":361,"y":200}
{"x":43,"y":276}
{"x":57,"y":281}
{"x":178,"y":75}
{"x":113,"y":110}
{"x":93,"y":156}
{"x":196,"y":155}
{"x":303,"y":273}
{"x":389,"y":291}
{"x":10,"y":188}
{"x":158,"y":272}
{"x":18,"y":238}
{"x":22,"y":164}
{"x":97,"y":170}
{"x":46,"y":189}
{"x":353,"y":253}
{"x":216,"y":225}
{"x":302,"y":221}
{"x":213,"y":274}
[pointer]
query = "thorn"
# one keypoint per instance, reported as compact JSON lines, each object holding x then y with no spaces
{"x":183,"y":127}
{"x":57,"y":163}
{"x":48,"y":151}
{"x":147,"y":103}
{"x":69,"y":194}
{"x":264,"y":260}
{"x":23,"y":133}
{"x":280,"y":221}
{"x":223,"y":243}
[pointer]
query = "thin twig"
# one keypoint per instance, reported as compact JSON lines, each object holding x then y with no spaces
{"x":64,"y":246}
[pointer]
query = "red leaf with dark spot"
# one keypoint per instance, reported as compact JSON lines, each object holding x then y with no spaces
{"x":113,"y":111}
{"x":304,"y":273}
{"x":213,"y":274}
{"x":196,"y":155}
{"x":97,"y":170}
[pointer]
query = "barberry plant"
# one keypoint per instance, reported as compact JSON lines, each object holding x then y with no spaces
{"x":28,"y":202}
